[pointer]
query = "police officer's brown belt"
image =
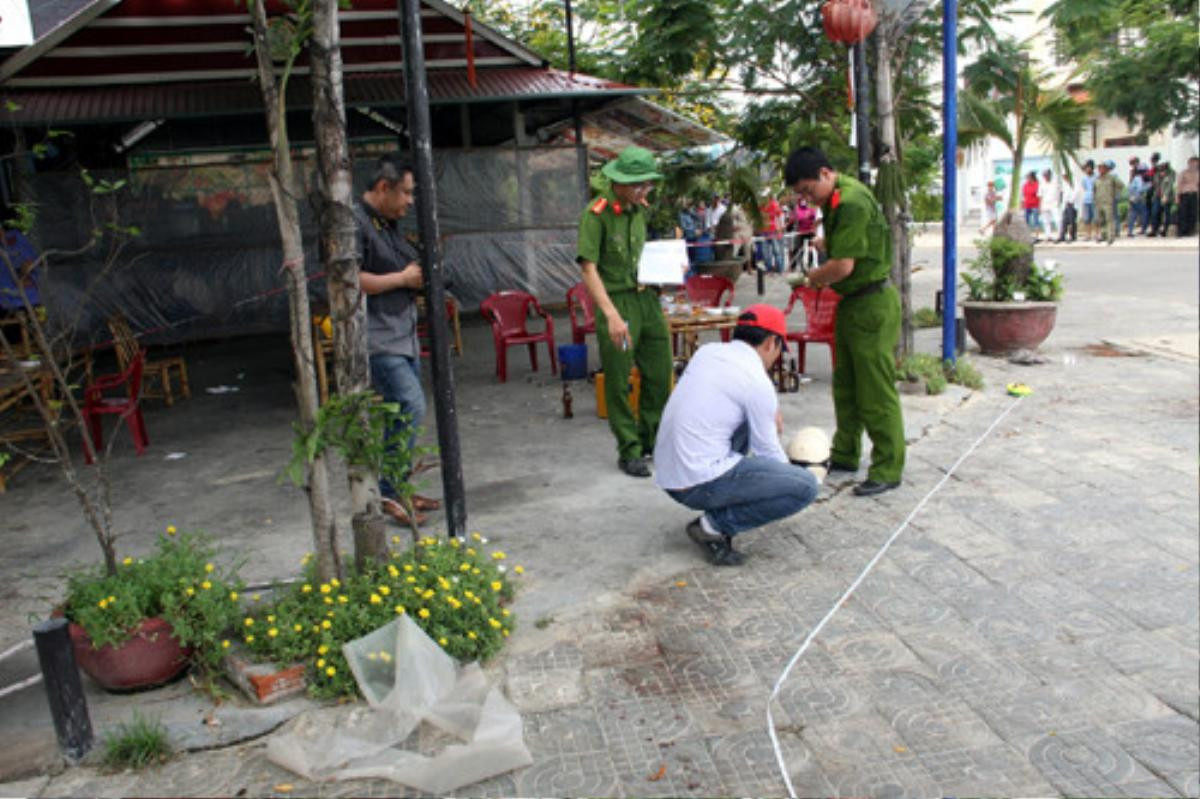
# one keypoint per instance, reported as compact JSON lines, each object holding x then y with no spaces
{"x":870,"y":288}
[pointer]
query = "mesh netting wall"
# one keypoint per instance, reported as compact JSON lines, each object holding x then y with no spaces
{"x":207,"y":258}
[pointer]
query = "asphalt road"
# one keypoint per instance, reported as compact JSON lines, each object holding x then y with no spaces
{"x":1145,"y":273}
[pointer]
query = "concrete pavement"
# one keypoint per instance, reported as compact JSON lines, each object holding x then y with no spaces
{"x":1034,"y":631}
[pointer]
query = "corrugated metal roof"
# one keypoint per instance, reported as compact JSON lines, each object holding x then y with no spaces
{"x":106,"y":104}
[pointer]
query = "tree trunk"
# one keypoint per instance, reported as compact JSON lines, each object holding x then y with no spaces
{"x":339,"y":254}
{"x":283,"y":187}
{"x":892,"y":191}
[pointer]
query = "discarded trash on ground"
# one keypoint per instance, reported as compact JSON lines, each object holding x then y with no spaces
{"x":1019,"y":389}
{"x":222,"y":389}
{"x":420,"y":682}
{"x":174,"y":456}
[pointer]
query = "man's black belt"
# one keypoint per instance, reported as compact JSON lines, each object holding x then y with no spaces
{"x":870,"y":288}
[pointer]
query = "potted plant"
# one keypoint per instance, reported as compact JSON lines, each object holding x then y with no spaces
{"x":1012,"y":301}
{"x":143,"y":624}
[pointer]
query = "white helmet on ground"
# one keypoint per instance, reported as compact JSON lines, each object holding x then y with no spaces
{"x":809,"y":448}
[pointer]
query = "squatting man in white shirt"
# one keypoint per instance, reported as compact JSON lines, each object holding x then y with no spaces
{"x":718,"y":447}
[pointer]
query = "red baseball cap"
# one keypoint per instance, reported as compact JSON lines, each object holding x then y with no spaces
{"x":765,"y":317}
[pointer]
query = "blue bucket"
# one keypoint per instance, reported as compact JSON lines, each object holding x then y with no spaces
{"x":573,"y":358}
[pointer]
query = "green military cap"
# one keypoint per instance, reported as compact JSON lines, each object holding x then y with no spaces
{"x":633,"y":165}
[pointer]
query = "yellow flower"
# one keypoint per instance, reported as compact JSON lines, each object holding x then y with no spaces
{"x":127,"y":561}
{"x":476,"y":537}
{"x":519,"y":569}
{"x":372,"y":656}
{"x":206,"y":585}
{"x":329,"y":613}
{"x":322,"y":649}
{"x":271,"y":618}
{"x":331,"y":671}
{"x":103,"y":603}
{"x":255,"y":597}
{"x":326,"y":624}
{"x":454,"y":543}
{"x":233,"y":596}
{"x":383,"y":589}
{"x":495,"y":624}
{"x":410,"y":579}
{"x":498,"y":555}
{"x":272,"y":632}
{"x":442,"y":641}
{"x":497,"y":585}
{"x":111,"y":599}
{"x":321,"y":663}
{"x":225,"y":644}
{"x":189,"y":591}
{"x":475,"y":571}
{"x":334,"y":582}
{"x":249,"y":622}
{"x":171,"y":529}
{"x":376,"y":599}
{"x":385,"y":657}
{"x":395,"y":539}
{"x":343,"y":599}
{"x":504,"y":633}
{"x":306,"y":589}
{"x":464,"y":567}
{"x":475,"y":599}
{"x":249,"y":639}
{"x":470,"y":551}
{"x":399,"y":610}
{"x":428,"y":594}
{"x":469,"y":594}
{"x":328,"y":600}
{"x":407,"y":567}
{"x":393,"y":571}
{"x":471,"y":635}
{"x":297,"y":627}
{"x":208,"y":568}
{"x":423,"y":613}
{"x":423,"y":567}
{"x":325,"y":589}
{"x":443,"y":583}
{"x":428,"y":541}
{"x":316,"y":628}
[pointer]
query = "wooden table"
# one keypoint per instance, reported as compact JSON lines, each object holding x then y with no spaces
{"x":686,"y":329}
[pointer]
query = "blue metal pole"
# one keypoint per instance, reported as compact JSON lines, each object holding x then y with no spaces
{"x":950,"y":172}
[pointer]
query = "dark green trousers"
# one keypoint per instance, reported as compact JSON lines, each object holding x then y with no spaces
{"x":650,"y":351}
{"x":864,"y":384}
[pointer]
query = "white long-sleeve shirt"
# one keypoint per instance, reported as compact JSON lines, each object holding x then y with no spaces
{"x":723,"y":386}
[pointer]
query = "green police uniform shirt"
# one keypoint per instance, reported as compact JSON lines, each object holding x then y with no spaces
{"x":856,"y":228}
{"x":611,"y":235}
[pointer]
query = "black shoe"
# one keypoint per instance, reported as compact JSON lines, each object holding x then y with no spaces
{"x":634,"y":467}
{"x":697,"y":533}
{"x":869,"y":488}
{"x":834,"y":466}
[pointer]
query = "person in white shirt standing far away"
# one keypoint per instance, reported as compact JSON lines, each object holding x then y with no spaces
{"x":1051,"y":193}
{"x":718,"y":447}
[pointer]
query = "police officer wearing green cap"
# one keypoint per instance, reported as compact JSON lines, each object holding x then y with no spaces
{"x":859,"y":246}
{"x":630,"y":326}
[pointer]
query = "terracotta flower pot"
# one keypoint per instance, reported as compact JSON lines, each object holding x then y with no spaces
{"x":1003,"y":327}
{"x":152,"y":656}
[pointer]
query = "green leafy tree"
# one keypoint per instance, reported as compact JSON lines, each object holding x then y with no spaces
{"x":1137,"y":57}
{"x":1007,"y":98}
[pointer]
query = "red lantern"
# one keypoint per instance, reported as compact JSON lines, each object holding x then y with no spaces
{"x":848,"y":21}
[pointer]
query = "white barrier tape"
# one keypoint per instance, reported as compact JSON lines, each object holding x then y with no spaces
{"x":12,"y":689}
{"x":751,"y":240}
{"x":853,"y":586}
{"x":15,"y":648}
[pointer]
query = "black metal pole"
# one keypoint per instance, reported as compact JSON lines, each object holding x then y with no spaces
{"x":862,"y":100}
{"x":416,"y":91}
{"x":68,"y":707}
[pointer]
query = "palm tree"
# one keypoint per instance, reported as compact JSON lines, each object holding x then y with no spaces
{"x":1008,"y":99}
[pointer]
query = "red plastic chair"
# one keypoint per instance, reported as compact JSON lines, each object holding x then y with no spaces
{"x":710,"y":291}
{"x":820,"y":313}
{"x":507,"y":311}
{"x":582,"y":312}
{"x":96,"y":405}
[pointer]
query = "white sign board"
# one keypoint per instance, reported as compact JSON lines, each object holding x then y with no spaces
{"x":663,"y":263}
{"x":16,"y":30}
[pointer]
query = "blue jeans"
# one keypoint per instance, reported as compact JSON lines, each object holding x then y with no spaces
{"x":756,"y":491}
{"x":1138,"y":214}
{"x":773,"y":250}
{"x":1033,"y":219}
{"x":397,"y":378}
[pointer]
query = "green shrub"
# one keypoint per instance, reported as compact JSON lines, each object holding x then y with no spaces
{"x":1004,"y":270}
{"x":455,"y":591}
{"x":927,"y":317}
{"x":926,"y":207}
{"x":137,"y":744}
{"x":937,"y":374}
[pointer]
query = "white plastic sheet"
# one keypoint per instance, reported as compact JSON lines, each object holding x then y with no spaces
{"x":418,"y":682}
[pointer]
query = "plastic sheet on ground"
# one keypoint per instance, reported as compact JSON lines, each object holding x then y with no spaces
{"x":412,"y":681}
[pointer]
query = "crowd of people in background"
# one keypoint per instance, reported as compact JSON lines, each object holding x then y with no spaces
{"x":1156,"y":198}
{"x":782,"y":242}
